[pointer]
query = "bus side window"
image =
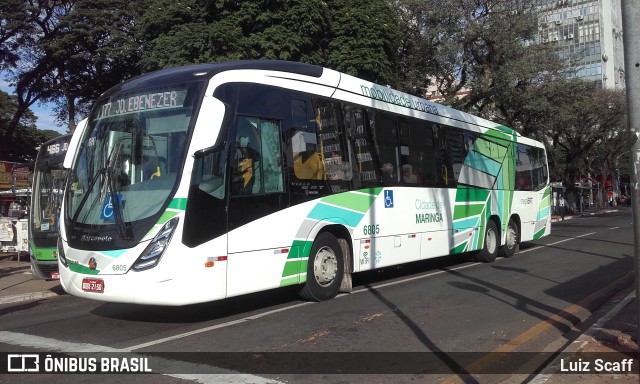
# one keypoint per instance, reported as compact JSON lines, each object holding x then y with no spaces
{"x":386,"y":144}
{"x":307,"y":160}
{"x":356,"y":124}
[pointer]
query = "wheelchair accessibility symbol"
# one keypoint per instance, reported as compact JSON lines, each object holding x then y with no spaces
{"x":388,"y":199}
{"x":107,"y":208}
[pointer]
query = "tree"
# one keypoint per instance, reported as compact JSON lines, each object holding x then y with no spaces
{"x":92,"y":48}
{"x":487,"y":47}
{"x":199,"y":32}
{"x":14,"y":28}
{"x":355,"y":37}
{"x":586,"y":131}
{"x":363,"y":42}
{"x":22,"y":150}
{"x":69,"y":52}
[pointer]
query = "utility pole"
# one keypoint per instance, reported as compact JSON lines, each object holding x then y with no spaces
{"x":631,"y":40}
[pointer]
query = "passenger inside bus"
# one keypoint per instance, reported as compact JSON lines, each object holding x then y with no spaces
{"x":246,"y":160}
{"x":388,"y":176}
{"x":409,"y":176}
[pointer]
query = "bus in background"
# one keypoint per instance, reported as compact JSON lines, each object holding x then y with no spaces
{"x":46,"y":196}
{"x":49,"y":180}
{"x":209,"y":181}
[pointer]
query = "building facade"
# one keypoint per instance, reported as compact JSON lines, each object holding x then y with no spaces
{"x":590,"y":35}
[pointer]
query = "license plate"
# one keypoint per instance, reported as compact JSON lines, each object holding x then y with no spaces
{"x":55,"y":276}
{"x":93,"y":285}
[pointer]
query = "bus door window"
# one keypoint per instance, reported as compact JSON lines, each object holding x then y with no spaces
{"x":257,"y":165}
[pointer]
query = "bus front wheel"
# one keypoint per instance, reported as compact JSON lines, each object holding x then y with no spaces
{"x":491,"y":241}
{"x":325,"y":269}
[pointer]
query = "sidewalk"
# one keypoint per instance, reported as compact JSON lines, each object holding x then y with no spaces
{"x":18,"y":284}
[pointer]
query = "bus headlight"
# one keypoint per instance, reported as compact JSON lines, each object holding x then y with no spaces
{"x":152,"y":254}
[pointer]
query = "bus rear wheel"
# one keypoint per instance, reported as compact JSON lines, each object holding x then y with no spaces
{"x":489,"y":250}
{"x":325,"y":269}
{"x":511,"y":241}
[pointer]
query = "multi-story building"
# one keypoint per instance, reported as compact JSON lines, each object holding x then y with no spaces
{"x":590,"y":35}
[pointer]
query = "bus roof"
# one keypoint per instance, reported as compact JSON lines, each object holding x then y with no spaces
{"x":199,"y":71}
{"x":346,"y":83}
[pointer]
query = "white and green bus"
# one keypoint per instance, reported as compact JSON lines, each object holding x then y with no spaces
{"x":204,"y":182}
{"x":46,"y":197}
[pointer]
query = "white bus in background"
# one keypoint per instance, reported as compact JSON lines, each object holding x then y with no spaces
{"x":203,"y":182}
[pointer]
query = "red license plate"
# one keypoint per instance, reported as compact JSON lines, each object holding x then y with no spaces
{"x":93,"y":285}
{"x":55,"y":276}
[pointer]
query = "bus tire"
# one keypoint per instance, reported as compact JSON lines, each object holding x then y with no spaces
{"x":510,"y":246}
{"x":490,"y":247}
{"x":325,"y":269}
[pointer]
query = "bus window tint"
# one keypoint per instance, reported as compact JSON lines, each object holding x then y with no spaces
{"x":384,"y":133}
{"x":307,"y":161}
{"x":524,"y":166}
{"x":334,"y":156}
{"x":256,"y":168}
{"x":360,"y":144}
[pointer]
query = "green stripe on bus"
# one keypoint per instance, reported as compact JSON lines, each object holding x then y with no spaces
{"x":540,"y":233}
{"x":166,"y":216}
{"x":489,"y":148}
{"x":82,"y":269}
{"x":178,"y":203}
{"x":372,"y":191}
{"x":289,"y":281}
{"x":465,"y":194}
{"x":44,"y":254}
{"x":299,"y":248}
{"x":464,"y":211}
{"x":354,"y":201}
{"x":507,"y":130}
{"x":293,"y":267}
{"x":460,"y":248}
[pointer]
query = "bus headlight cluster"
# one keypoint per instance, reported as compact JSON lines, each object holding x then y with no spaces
{"x":61,"y":256}
{"x":152,"y":254}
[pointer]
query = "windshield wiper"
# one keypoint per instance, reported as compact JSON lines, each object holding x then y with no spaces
{"x":124,"y":228}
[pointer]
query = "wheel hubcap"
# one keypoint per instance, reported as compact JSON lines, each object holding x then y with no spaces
{"x":491,"y":241}
{"x":511,"y":237}
{"x":325,"y":266}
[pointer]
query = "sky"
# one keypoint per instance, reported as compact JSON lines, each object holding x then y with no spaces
{"x":43,"y":111}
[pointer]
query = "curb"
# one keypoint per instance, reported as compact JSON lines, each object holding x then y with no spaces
{"x":27,"y":297}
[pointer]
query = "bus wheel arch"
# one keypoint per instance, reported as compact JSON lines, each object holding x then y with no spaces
{"x":512,"y":237}
{"x":491,"y":243}
{"x":329,"y":266}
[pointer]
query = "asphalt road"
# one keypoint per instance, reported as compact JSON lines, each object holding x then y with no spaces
{"x":451,"y":312}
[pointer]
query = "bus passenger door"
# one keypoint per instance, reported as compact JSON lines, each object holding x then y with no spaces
{"x":257,"y":235}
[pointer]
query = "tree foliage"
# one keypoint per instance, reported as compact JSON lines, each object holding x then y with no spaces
{"x":22,"y":150}
{"x":357,"y":37}
{"x":66,"y":52}
{"x":588,"y":132}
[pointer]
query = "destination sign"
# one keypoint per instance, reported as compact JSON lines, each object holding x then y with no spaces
{"x":151,"y":101}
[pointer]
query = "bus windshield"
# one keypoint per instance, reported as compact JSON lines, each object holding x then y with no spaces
{"x":130,"y":156}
